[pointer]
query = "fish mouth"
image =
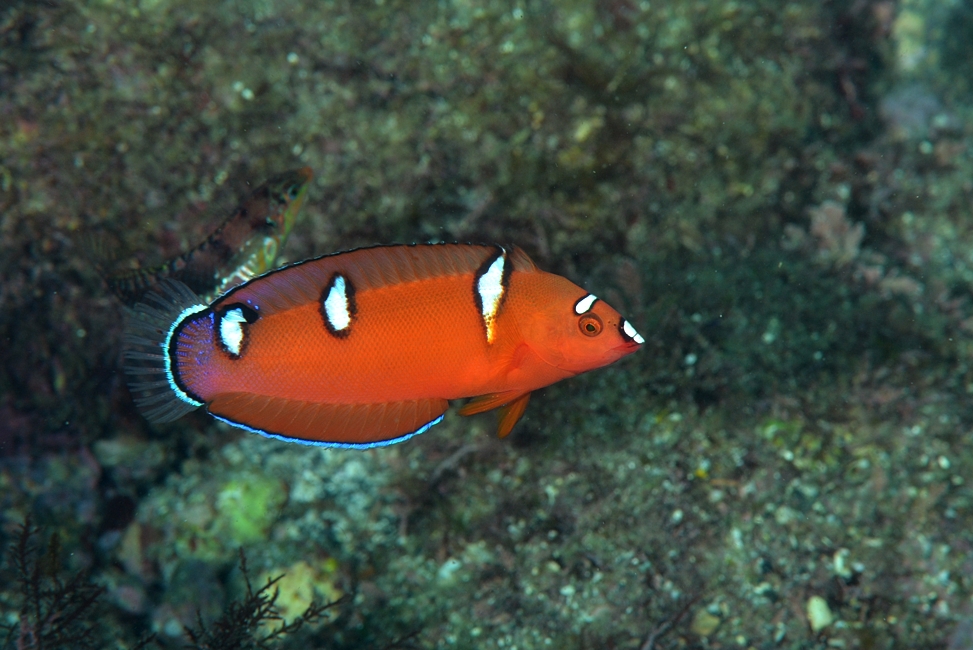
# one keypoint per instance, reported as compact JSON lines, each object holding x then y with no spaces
{"x":627,"y":347}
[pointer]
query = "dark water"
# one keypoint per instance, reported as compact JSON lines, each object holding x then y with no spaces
{"x":777,"y":195}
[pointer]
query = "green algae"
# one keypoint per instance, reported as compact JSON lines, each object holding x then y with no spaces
{"x":301,"y":585}
{"x":246,"y":509}
{"x":217,"y":515}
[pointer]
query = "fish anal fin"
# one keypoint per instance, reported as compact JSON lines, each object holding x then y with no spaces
{"x":511,"y":413}
{"x":331,"y":425}
{"x":485,"y":403}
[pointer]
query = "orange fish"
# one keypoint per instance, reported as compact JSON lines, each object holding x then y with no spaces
{"x":365,"y":348}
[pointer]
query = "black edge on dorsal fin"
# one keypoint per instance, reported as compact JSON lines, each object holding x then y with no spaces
{"x":365,"y":268}
{"x":146,"y":357}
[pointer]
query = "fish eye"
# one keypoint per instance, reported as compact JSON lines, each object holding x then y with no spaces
{"x":292,"y":192}
{"x":590,"y":325}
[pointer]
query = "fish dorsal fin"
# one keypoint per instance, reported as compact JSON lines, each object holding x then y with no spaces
{"x":332,"y":425}
{"x":521,"y":260}
{"x":364,"y":269}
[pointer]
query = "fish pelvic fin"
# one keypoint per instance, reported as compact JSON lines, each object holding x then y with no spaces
{"x":152,"y":377}
{"x":512,"y":405}
{"x":511,"y":413}
{"x":485,"y":403}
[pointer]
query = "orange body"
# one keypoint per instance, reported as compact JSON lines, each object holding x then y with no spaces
{"x":366,"y":347}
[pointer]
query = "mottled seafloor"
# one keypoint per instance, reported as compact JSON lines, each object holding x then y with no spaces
{"x":779,"y":195}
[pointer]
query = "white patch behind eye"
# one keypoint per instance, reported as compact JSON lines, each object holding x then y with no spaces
{"x":631,"y":333}
{"x":336,"y":305}
{"x":585,"y":304}
{"x":489,"y":287}
{"x":231,"y":330}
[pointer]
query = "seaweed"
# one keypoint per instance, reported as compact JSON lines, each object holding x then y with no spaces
{"x":59,"y":612}
{"x":54,"y":612}
{"x":666,"y":626}
{"x":239,"y":628}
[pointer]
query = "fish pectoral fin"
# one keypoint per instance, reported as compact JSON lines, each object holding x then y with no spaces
{"x":511,"y":413}
{"x":485,"y":403}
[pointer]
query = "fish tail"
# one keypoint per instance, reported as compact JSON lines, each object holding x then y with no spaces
{"x":147,"y":358}
{"x":130,"y":286}
{"x":100,"y":248}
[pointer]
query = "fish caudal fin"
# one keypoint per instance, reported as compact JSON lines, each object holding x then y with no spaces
{"x":100,"y":248}
{"x":146,"y":357}
{"x":355,"y":426}
{"x":511,"y":404}
{"x":129,"y":284}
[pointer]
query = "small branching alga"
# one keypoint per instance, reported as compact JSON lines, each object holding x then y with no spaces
{"x":54,"y":611}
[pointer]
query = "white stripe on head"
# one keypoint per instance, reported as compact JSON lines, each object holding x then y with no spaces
{"x":336,"y":308}
{"x":489,"y":287}
{"x":630,"y":332}
{"x":585,"y":304}
{"x":231,"y":330}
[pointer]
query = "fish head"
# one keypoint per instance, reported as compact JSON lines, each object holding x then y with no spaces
{"x":286,"y":193}
{"x":575,"y":331}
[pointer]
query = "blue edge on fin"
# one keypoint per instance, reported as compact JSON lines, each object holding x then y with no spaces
{"x":334,"y":445}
